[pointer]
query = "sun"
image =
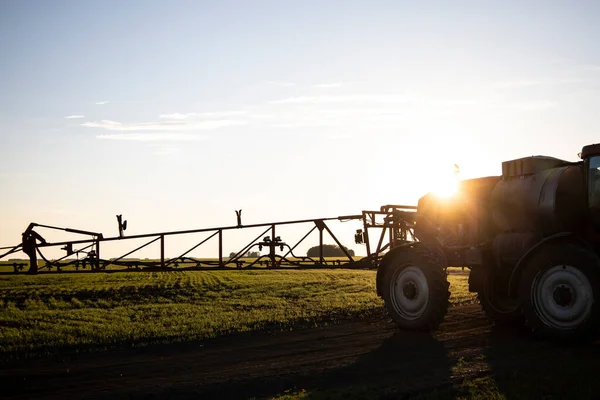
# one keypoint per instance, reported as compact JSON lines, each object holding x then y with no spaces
{"x":438,"y":179}
{"x":445,"y":183}
{"x":446,"y":187}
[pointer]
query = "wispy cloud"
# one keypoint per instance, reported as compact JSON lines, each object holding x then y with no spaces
{"x":75,"y":116}
{"x":152,"y":137}
{"x":397,"y":104}
{"x":218,"y":114}
{"x":526,"y":83}
{"x":119,"y":126}
{"x":281,"y":83}
{"x":328,"y":85}
{"x":335,"y":112}
{"x":163,"y":125}
{"x":177,"y":116}
{"x":100,"y":103}
{"x":370,"y":98}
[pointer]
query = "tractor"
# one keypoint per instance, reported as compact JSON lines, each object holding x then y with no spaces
{"x":530,"y":239}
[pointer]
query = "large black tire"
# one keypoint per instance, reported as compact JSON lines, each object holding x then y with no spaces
{"x":502,"y":310}
{"x":559,"y":293}
{"x":415,"y":289}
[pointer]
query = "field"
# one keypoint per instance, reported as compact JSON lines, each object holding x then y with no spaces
{"x":310,"y":334}
{"x":69,"y":265}
{"x":44,"y":314}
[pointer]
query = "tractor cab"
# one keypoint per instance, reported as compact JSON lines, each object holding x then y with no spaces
{"x":591,"y":159}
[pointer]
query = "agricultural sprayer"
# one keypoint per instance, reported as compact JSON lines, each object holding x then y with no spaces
{"x":530,"y":238}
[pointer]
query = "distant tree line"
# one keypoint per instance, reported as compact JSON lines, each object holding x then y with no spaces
{"x":248,"y":254}
{"x":329,"y":250}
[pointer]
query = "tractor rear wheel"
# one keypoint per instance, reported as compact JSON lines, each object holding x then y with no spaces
{"x":559,"y":292}
{"x":415,"y":290}
{"x":498,"y":307}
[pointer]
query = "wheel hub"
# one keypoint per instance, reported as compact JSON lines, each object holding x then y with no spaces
{"x":562,"y":295}
{"x":410,"y":290}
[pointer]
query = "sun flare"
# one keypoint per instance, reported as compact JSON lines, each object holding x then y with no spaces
{"x":446,"y":183}
{"x":446,"y":187}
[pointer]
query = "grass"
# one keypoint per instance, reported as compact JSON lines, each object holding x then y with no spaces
{"x":551,"y":382}
{"x":49,"y":313}
{"x":484,"y":388}
{"x":23,"y":264}
{"x":570,"y":378}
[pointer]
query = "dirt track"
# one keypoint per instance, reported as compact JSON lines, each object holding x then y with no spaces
{"x":260,"y":365}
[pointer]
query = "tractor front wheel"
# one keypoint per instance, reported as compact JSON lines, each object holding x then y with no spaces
{"x":415,"y":290}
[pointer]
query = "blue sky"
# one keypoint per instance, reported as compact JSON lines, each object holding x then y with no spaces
{"x":176,"y":113}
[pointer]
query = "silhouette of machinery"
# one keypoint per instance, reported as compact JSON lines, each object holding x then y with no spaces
{"x":530,"y":239}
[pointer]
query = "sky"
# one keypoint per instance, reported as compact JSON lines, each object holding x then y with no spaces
{"x":177,"y":113}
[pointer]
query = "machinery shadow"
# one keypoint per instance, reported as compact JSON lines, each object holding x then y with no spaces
{"x":407,"y":362}
{"x":499,"y":362}
{"x":523,"y":366}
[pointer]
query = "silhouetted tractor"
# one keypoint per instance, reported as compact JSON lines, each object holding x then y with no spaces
{"x":530,"y":239}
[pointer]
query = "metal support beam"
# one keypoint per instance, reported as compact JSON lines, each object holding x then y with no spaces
{"x":221,"y":248}
{"x":400,"y":220}
{"x":192,"y":248}
{"x":162,"y":251}
{"x":320,"y":226}
{"x":338,"y":242}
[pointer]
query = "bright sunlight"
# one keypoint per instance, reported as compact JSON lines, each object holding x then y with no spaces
{"x":446,"y":188}
{"x":446,"y":182}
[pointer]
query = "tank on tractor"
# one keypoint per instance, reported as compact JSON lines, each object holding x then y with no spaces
{"x":530,"y":239}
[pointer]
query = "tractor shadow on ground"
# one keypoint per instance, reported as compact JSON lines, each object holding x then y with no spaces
{"x":523,"y":366}
{"x":406,"y":360}
{"x":499,"y":362}
{"x":477,"y":360}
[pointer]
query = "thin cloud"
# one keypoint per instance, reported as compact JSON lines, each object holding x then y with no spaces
{"x":362,"y":104}
{"x":369,"y":98}
{"x":281,"y":83}
{"x":219,"y":114}
{"x":328,"y":85}
{"x":308,"y":122}
{"x":536,"y":82}
{"x":163,"y":125}
{"x":74,"y":116}
{"x":283,"y":126}
{"x":100,"y":103}
{"x":153,"y":137}
{"x":177,"y":116}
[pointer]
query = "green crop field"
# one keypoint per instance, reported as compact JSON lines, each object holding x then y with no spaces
{"x":47,"y":313}
{"x":67,"y":265}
